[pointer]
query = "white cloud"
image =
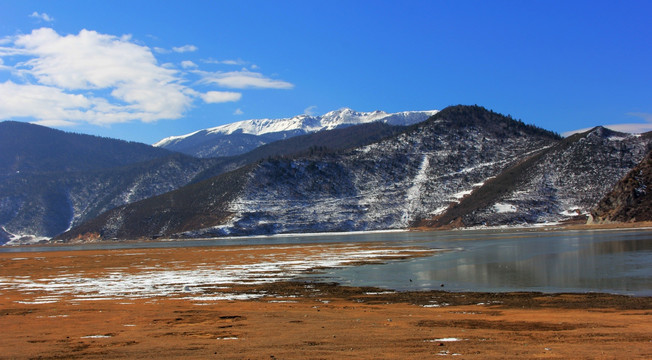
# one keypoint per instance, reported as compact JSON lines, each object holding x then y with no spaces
{"x":185,"y":48}
{"x":176,"y":49}
{"x":238,"y":111}
{"x":102,"y":79}
{"x":43,"y":102}
{"x":187,"y":64}
{"x":220,"y":96}
{"x":139,"y":88}
{"x":310,"y":110}
{"x":90,"y":60}
{"x":225,"y":62}
{"x":161,"y":50}
{"x":41,"y":16}
{"x":232,"y":62}
{"x":3,"y":67}
{"x":244,"y":79}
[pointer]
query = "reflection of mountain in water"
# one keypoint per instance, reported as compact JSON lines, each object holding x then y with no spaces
{"x":619,"y":246}
{"x":560,"y":262}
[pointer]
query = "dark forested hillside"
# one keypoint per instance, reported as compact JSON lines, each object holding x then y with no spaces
{"x":199,"y":205}
{"x":43,"y":204}
{"x":35,"y":149}
{"x":321,"y":142}
{"x":51,"y":180}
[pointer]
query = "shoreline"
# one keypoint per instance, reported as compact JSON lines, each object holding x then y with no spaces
{"x":643,"y":225}
{"x":647,"y":225}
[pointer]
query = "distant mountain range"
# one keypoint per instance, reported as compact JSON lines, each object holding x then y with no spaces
{"x":464,"y":166}
{"x":241,"y":137}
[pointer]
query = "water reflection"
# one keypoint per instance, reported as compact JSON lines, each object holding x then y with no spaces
{"x":617,"y":262}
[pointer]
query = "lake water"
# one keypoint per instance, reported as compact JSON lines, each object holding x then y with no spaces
{"x":613,"y":261}
{"x":569,"y":261}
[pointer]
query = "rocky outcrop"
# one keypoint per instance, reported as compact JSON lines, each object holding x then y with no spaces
{"x":631,"y":199}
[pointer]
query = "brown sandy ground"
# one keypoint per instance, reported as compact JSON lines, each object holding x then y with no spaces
{"x":302,"y":320}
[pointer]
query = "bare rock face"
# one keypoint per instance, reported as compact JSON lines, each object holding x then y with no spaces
{"x":631,"y":198}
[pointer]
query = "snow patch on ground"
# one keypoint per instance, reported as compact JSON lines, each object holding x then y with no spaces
{"x":204,"y":282}
{"x":460,"y":195}
{"x":439,"y":211}
{"x":23,"y":239}
{"x":573,"y":211}
{"x":504,"y":208}
{"x":96,"y":337}
{"x":450,"y":339}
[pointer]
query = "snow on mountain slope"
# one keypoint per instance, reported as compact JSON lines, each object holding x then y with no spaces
{"x":242,"y":136}
{"x":559,"y":184}
{"x":385,"y":185}
{"x":465,"y":166}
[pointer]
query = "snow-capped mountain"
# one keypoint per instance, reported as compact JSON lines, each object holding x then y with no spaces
{"x":388,"y":184}
{"x":464,"y":166}
{"x":240,"y":137}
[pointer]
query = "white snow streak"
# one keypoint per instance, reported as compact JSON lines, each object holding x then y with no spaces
{"x":414,"y":192}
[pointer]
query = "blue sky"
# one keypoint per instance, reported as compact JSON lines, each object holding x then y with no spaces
{"x":145,"y":70}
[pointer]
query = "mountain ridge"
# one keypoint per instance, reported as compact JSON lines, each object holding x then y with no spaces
{"x":243,"y":136}
{"x":383,"y":185}
{"x":372,"y":176}
{"x":561,"y":183}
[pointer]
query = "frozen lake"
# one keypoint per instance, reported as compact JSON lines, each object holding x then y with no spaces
{"x":613,"y":261}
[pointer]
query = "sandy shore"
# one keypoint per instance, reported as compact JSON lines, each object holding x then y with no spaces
{"x":239,"y":302}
